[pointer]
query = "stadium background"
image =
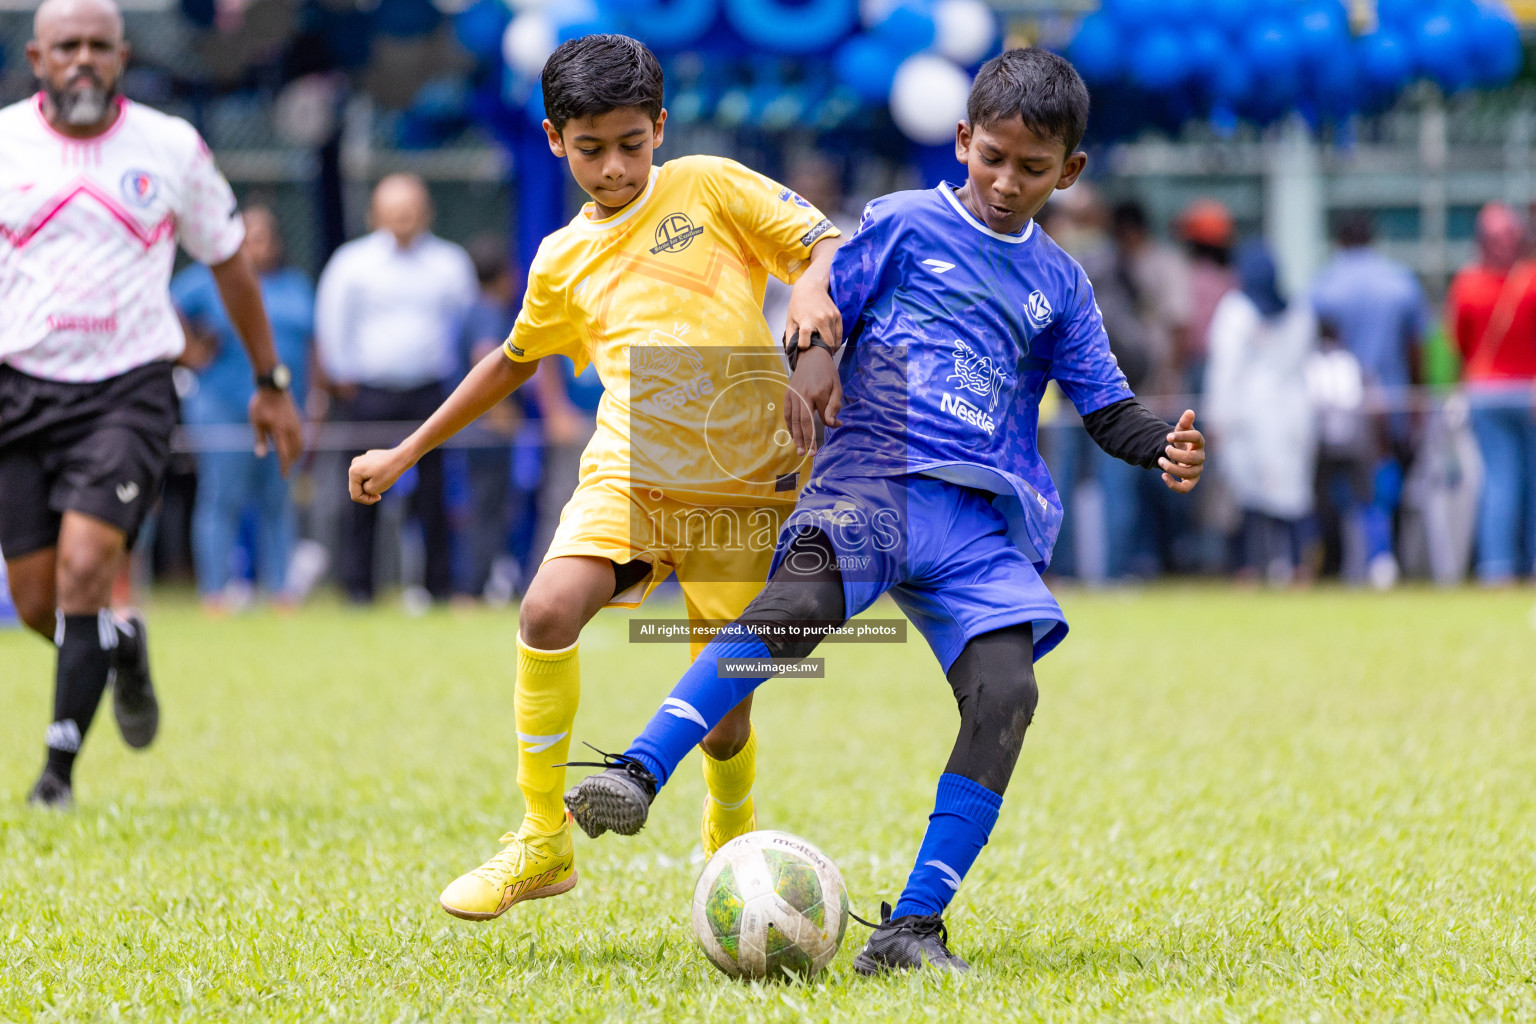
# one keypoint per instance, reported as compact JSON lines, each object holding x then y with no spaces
{"x":1291,"y":113}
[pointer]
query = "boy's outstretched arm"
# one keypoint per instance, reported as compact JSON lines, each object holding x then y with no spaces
{"x":492,"y":379}
{"x":1130,"y":432}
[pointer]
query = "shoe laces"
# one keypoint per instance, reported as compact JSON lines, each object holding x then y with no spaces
{"x":508,"y":861}
{"x":921,"y":926}
{"x":631,"y":766}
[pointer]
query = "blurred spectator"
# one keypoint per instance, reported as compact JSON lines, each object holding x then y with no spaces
{"x":1098,"y":492}
{"x":1377,"y":304}
{"x":230,"y":478}
{"x":1156,"y":277}
{"x":1260,"y":414}
{"x":1205,"y":227}
{"x":815,"y":179}
{"x":1345,"y":454}
{"x":1381,"y":315}
{"x":390,"y":308}
{"x":487,"y":325}
{"x":1491,"y":316}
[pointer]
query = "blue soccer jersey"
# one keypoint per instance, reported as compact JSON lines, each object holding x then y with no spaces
{"x":952,"y":331}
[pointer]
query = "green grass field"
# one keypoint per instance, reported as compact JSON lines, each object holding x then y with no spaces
{"x":1231,"y":807}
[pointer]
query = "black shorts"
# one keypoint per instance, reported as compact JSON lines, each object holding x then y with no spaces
{"x":98,"y":448}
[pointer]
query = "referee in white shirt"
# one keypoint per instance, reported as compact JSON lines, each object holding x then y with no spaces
{"x":95,"y":194}
{"x":388,"y":313}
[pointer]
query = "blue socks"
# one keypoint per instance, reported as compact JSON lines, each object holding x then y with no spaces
{"x":698,"y":702}
{"x":963,"y":815}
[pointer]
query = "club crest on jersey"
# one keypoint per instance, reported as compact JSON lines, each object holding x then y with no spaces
{"x":675,"y":233}
{"x":139,"y":188}
{"x":977,"y":374}
{"x":1038,"y":309}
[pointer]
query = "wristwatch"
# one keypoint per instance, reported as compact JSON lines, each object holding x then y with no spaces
{"x":279,"y":378}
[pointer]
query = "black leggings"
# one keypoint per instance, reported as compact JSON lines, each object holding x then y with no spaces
{"x":993,"y":679}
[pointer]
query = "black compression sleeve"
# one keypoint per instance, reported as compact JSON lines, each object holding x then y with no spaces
{"x":1128,"y":431}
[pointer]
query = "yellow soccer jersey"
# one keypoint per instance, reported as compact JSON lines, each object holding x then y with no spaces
{"x":666,"y":299}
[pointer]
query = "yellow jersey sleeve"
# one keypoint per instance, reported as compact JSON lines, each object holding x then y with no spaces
{"x":776,"y":226}
{"x":544,"y":326}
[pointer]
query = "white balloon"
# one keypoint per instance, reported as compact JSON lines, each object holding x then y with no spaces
{"x":530,"y":39}
{"x":305,"y":112}
{"x":928,"y":98}
{"x":964,"y":30}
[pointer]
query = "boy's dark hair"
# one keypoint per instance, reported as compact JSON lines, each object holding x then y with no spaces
{"x":1040,"y":87}
{"x":595,"y":74}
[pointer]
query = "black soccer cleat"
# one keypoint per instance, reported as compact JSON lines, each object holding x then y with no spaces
{"x":52,"y":793}
{"x":908,"y":943}
{"x":133,"y":694}
{"x":617,"y":799}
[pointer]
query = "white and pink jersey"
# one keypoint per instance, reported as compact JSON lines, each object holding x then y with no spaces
{"x":88,"y":233}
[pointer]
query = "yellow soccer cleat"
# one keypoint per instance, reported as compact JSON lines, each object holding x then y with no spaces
{"x":719,"y":826}
{"x":529,"y":867}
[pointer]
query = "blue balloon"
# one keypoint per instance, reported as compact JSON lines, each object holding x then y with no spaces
{"x":1386,"y":61}
{"x":1208,"y":49}
{"x":670,"y":24}
{"x":1442,"y":51}
{"x":1335,"y":83}
{"x":1497,"y":52}
{"x":1228,"y":15}
{"x":867,"y":66}
{"x":1233,"y":82}
{"x":1271,"y":48}
{"x":1158,"y":62}
{"x":1134,"y":14}
{"x":1275,"y":61}
{"x":480,"y":26}
{"x":1096,"y":51}
{"x":1322,"y":28}
{"x":782,"y":27}
{"x":907,"y":29}
{"x":1181,"y":12}
{"x":1398,"y":14}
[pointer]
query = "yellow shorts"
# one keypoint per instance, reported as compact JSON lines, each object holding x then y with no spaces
{"x":720,"y":553}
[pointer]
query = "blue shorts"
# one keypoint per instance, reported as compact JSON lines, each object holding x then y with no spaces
{"x":941,"y":549}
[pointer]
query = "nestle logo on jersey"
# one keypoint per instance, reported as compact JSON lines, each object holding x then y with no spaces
{"x":965,"y":412}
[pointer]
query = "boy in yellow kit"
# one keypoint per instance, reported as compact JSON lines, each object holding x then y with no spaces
{"x":659,"y":281}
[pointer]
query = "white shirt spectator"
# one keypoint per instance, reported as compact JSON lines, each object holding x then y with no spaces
{"x":88,"y":232}
{"x":388,"y":316}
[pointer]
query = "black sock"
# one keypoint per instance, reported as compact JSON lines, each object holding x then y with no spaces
{"x":87,"y":646}
{"x":128,"y":641}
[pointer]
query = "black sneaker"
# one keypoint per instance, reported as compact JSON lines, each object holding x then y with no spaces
{"x":907,"y":943}
{"x":52,"y":793}
{"x":618,"y":798}
{"x":133,"y":694}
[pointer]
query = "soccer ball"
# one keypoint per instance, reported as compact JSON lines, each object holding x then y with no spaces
{"x":770,"y":905}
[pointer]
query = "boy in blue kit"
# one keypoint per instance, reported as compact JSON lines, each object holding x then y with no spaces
{"x":931,"y":484}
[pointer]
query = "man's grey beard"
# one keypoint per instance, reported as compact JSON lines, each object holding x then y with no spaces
{"x":83,"y":106}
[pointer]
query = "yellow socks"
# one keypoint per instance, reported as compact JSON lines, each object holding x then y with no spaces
{"x":729,"y":812}
{"x":548,"y":690}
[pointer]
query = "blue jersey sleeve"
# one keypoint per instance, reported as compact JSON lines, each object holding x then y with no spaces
{"x":860,"y":263}
{"x":1082,"y":363}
